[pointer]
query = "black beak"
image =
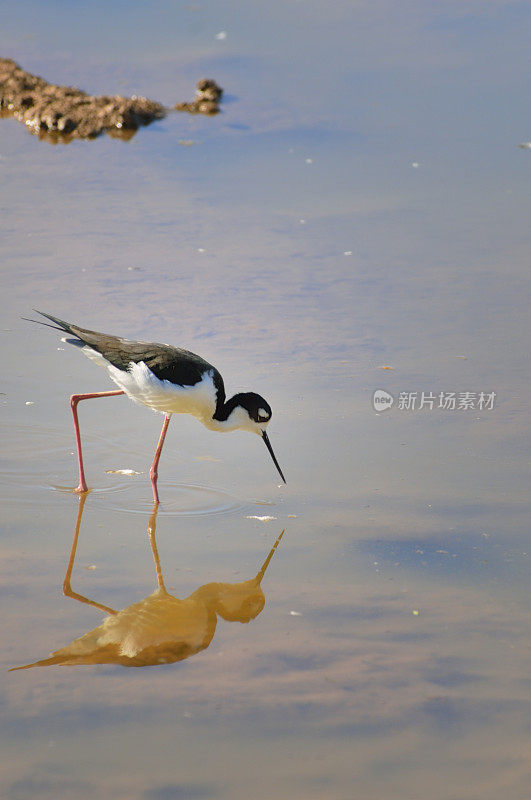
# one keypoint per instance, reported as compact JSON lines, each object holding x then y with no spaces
{"x":268,"y":445}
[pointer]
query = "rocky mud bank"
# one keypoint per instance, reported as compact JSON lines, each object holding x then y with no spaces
{"x":62,"y":113}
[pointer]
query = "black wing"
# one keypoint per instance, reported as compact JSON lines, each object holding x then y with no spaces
{"x":166,"y":362}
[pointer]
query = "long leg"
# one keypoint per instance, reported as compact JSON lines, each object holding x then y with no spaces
{"x":154,"y":471}
{"x":74,"y":400}
{"x":67,"y":588}
{"x":152,"y":524}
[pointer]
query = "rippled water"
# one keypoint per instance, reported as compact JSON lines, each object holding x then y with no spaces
{"x":356,"y":219}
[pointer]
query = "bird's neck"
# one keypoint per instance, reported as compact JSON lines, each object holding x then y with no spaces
{"x":229,"y":416}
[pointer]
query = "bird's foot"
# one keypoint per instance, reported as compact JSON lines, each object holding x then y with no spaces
{"x":154,"y":477}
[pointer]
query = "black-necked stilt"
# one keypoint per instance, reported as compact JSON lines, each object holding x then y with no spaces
{"x":161,"y":628}
{"x":167,"y":379}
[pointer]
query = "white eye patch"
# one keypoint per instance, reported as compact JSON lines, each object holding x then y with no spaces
{"x":262,"y":414}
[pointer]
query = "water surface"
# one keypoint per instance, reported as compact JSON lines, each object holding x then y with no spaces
{"x":355,"y":219}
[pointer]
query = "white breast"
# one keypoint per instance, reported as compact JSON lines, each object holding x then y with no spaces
{"x":142,"y":386}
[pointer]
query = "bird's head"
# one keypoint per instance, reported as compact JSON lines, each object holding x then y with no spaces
{"x":256,"y":412}
{"x":253,"y":414}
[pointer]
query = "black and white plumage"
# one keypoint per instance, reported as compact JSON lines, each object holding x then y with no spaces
{"x":170,"y":380}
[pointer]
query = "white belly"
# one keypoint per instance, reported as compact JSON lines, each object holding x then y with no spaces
{"x":142,"y":386}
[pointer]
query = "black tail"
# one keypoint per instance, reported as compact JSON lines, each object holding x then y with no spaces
{"x":60,"y":325}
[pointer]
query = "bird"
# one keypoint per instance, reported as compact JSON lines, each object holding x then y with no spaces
{"x":161,"y":628}
{"x":167,"y":379}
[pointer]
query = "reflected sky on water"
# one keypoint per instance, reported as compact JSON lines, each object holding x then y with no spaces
{"x":355,"y":219}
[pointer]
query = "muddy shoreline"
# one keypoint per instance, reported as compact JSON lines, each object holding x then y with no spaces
{"x":62,"y":113}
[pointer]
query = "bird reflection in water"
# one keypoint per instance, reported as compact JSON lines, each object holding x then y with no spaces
{"x":161,"y":628}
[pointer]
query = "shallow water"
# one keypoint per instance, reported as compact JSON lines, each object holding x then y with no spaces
{"x":356,"y":219}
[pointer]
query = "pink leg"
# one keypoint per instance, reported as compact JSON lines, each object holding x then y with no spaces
{"x":154,"y":471}
{"x":74,"y":400}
